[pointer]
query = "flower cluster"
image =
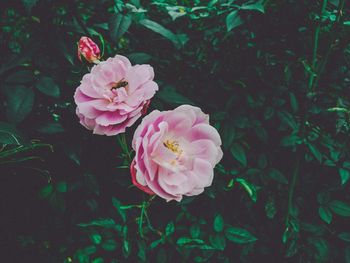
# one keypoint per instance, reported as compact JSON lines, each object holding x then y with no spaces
{"x":175,"y":151}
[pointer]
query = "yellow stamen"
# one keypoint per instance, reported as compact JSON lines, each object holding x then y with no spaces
{"x":173,"y":146}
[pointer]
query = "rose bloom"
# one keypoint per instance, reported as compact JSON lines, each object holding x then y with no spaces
{"x":114,"y":95}
{"x":89,"y":50}
{"x":176,"y":152}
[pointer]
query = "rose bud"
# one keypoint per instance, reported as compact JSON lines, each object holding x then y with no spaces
{"x":89,"y":50}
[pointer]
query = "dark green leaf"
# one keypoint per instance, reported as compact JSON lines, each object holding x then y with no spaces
{"x":118,"y":25}
{"x":61,"y":187}
{"x":344,"y":236}
{"x":233,"y":20}
{"x":314,"y":150}
{"x":116,"y":203}
{"x":340,"y":208}
{"x":20,"y":103}
{"x":21,"y":77}
{"x":325,"y":214}
{"x":48,"y":86}
{"x":170,"y":228}
{"x":51,"y":128}
{"x":96,"y":238}
{"x":344,"y":175}
{"x":278,"y":176}
{"x":217,"y":241}
{"x":250,"y":188}
{"x":239,"y":235}
{"x":108,"y":223}
{"x":10,"y":135}
{"x":258,"y":6}
{"x":238,"y":153}
{"x":109,"y":245}
{"x":218,"y":223}
{"x":139,"y":58}
{"x":170,"y":95}
{"x":178,"y":40}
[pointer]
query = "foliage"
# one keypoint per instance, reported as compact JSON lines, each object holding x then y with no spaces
{"x":273,"y":75}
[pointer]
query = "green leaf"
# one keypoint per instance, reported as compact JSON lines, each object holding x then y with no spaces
{"x":170,"y":228}
{"x":21,"y":77}
{"x":51,"y":128}
{"x":315,"y":152}
{"x":233,"y":20}
{"x":239,"y":235}
{"x":293,"y":102}
{"x":228,"y":134}
{"x":344,"y":175}
{"x":258,"y":6}
{"x":169,"y":95}
{"x":139,"y":58}
{"x":250,"y":188}
{"x":118,"y":25}
{"x":186,"y":240}
{"x":10,"y":135}
{"x":61,"y":187}
{"x":347,"y":254}
{"x":278,"y":176}
{"x":109,"y":245}
{"x":344,"y":236}
{"x":325,"y":214}
{"x":96,"y":238}
{"x":48,"y":86}
{"x":20,"y":103}
{"x":29,"y":4}
{"x":178,"y":40}
{"x":46,"y":191}
{"x":340,"y":208}
{"x":116,"y":203}
{"x":218,"y":241}
{"x":218,"y":223}
{"x":238,"y":153}
{"x":97,"y":260}
{"x":103,"y":222}
{"x":195,"y":231}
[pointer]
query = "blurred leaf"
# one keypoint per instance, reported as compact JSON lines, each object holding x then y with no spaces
{"x":108,"y":223}
{"x":96,"y":238}
{"x":239,"y":235}
{"x":10,"y":135}
{"x":116,"y":203}
{"x":325,"y":214}
{"x":48,"y":86}
{"x":21,"y":77}
{"x":46,"y":191}
{"x":344,"y":175}
{"x":139,"y":58}
{"x":51,"y":128}
{"x":233,"y":20}
{"x":250,"y":188}
{"x":109,"y":245}
{"x":218,"y":223}
{"x":344,"y":236}
{"x":258,"y":6}
{"x":61,"y":187}
{"x":118,"y":25}
{"x":238,"y":153}
{"x":314,"y":150}
{"x":178,"y":40}
{"x":340,"y":208}
{"x":29,"y":4}
{"x":169,"y":95}
{"x":218,"y":241}
{"x":170,"y":228}
{"x":20,"y":103}
{"x":278,"y":176}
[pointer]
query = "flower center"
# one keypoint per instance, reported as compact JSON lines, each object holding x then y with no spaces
{"x":119,"y":84}
{"x":173,"y":146}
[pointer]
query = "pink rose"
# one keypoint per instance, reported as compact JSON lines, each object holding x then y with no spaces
{"x":114,"y":95}
{"x":89,"y":50}
{"x":176,"y":152}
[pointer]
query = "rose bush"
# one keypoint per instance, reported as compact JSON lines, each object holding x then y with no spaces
{"x":176,"y":152}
